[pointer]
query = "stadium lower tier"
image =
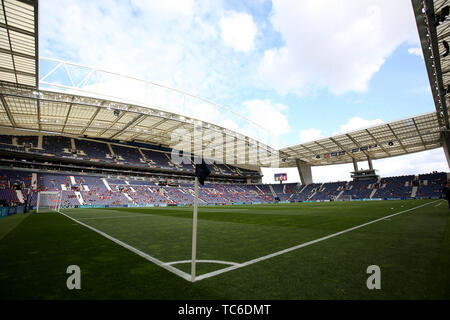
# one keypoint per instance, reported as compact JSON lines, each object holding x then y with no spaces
{"x":18,"y":187}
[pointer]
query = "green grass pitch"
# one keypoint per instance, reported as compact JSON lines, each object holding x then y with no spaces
{"x":412,"y":250}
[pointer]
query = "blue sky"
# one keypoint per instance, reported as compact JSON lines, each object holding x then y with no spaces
{"x":301,"y":69}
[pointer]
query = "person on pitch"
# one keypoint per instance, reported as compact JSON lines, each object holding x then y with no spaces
{"x":446,"y":193}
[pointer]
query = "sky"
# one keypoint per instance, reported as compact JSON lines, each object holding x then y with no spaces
{"x":303,"y":70}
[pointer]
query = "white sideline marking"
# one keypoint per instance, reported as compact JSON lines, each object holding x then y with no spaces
{"x":174,"y":270}
{"x":203,"y":261}
{"x":438,"y":204}
{"x":244,"y":264}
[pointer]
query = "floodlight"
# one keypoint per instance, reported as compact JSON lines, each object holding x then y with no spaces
{"x":440,"y":17}
{"x":447,"y":48}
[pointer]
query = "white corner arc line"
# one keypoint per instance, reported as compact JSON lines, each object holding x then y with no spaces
{"x":203,"y":261}
{"x":174,"y":270}
{"x":244,"y":264}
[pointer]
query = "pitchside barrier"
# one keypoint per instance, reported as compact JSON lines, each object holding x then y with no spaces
{"x":8,"y":211}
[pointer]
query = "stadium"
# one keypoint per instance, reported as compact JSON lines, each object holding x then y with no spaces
{"x":108,"y":184}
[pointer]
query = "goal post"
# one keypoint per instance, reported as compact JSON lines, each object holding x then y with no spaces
{"x":48,"y":201}
{"x":344,"y":197}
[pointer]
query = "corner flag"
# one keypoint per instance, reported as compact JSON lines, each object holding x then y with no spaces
{"x":202,"y":172}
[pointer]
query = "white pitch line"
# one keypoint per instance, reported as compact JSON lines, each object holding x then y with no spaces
{"x":203,"y":261}
{"x":174,"y":270}
{"x":438,"y":204}
{"x":244,"y":264}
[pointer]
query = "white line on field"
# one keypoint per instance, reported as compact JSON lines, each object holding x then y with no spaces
{"x":174,"y":270}
{"x":438,"y":204}
{"x":203,"y":261}
{"x":244,"y":264}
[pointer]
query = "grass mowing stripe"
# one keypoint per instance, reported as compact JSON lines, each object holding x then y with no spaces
{"x":440,"y":282}
{"x":9,"y":223}
{"x":116,"y":217}
{"x":408,"y":248}
{"x":244,"y":264}
{"x":160,"y":263}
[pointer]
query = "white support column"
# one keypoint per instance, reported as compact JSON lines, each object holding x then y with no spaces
{"x":355,"y":165}
{"x":369,"y":161}
{"x":304,"y":170}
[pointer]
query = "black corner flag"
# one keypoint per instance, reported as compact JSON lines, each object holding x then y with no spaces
{"x":202,"y":172}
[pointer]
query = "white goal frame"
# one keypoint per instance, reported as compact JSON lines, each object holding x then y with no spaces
{"x":57,"y":205}
{"x":346,"y":197}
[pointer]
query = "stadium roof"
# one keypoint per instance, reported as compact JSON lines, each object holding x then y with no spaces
{"x":414,"y":134}
{"x":23,"y":105}
{"x":61,"y":113}
{"x":433,"y":33}
{"x":19,"y":42}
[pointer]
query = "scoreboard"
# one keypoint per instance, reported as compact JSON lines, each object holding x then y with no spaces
{"x":280,"y":176}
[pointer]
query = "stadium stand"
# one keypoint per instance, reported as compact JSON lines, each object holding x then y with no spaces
{"x":395,"y":187}
{"x":95,"y":151}
{"x":56,"y":145}
{"x":162,"y":182}
{"x":128,"y":192}
{"x":94,"y":191}
{"x":27,"y":141}
{"x":103,"y":152}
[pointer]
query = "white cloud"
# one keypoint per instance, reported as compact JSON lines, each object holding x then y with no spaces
{"x":416,"y":163}
{"x":238,"y":31}
{"x":339,"y":45}
{"x":268,"y":115}
{"x":166,"y":9}
{"x":415,"y":51}
{"x":312,"y":134}
{"x":356,"y":123}
{"x":175,"y":44}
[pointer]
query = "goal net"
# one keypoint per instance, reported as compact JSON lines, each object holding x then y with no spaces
{"x":344,"y":197}
{"x":48,"y":201}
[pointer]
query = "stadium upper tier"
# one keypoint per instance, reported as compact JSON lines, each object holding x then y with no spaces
{"x":92,"y":152}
